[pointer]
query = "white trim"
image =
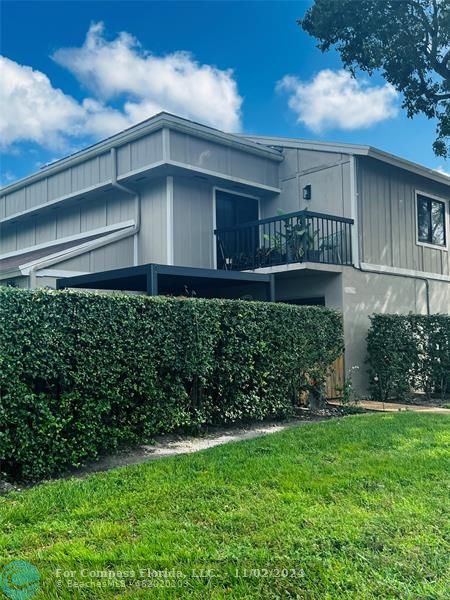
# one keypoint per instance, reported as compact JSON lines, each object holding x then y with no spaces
{"x":214,"y":226}
{"x":124,"y":178}
{"x":218,"y":175}
{"x":60,"y":273}
{"x":235,"y":192}
{"x":357,"y":149}
{"x":152,"y":125}
{"x":387,"y":270}
{"x":169,"y":219}
{"x":72,"y":196}
{"x":165,"y":144}
{"x":69,"y":238}
{"x":305,"y":266}
{"x":76,"y":250}
{"x":354,"y":211}
{"x":200,"y":170}
{"x":446,"y":204}
{"x":333,"y":147}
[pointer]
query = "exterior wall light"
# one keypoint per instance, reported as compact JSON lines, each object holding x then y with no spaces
{"x":307,"y":192}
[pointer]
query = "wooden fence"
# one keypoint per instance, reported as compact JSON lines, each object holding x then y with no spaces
{"x":335,"y":379}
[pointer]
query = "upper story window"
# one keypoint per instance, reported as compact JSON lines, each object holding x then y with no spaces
{"x":431,"y":221}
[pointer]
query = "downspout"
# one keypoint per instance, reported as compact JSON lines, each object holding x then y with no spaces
{"x":356,"y":238}
{"x":134,"y":230}
{"x":137,"y":204}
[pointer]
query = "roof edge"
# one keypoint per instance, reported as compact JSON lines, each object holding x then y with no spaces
{"x":357,"y":150}
{"x":155,"y":123}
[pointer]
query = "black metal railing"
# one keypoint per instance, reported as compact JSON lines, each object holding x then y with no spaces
{"x":302,"y":236}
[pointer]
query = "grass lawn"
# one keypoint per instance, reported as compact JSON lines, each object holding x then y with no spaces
{"x":350,"y":508}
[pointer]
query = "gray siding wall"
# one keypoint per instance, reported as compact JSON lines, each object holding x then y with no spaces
{"x":154,"y":224}
{"x":92,"y":172}
{"x":387,"y":218}
{"x":82,"y":177}
{"x":113,"y":256}
{"x":193,"y":224}
{"x":104,"y":209}
{"x":139,"y":153}
{"x":328,"y":174}
{"x":221,"y":159}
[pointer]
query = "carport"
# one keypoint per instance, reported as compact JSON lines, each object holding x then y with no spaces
{"x":154,"y":279}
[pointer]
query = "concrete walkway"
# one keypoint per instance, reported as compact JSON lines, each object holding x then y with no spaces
{"x":395,"y":407}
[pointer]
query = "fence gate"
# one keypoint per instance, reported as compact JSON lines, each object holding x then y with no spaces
{"x":335,"y":379}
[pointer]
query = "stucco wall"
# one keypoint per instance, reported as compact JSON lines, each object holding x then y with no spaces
{"x":302,"y":284}
{"x":368,"y":293}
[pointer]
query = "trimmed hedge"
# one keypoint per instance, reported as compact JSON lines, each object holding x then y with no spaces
{"x":83,"y":373}
{"x":408,"y":353}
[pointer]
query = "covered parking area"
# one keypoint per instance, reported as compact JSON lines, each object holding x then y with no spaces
{"x":154,"y":279}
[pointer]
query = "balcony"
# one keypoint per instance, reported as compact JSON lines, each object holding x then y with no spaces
{"x":296,"y":237}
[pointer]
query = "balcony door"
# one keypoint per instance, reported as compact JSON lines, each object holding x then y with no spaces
{"x":235,"y":244}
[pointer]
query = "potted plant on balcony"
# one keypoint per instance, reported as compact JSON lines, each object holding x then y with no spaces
{"x":296,"y":243}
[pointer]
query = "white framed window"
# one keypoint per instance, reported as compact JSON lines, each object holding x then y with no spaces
{"x":431,"y":220}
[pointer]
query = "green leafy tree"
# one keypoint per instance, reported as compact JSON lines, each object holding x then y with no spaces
{"x":408,"y":41}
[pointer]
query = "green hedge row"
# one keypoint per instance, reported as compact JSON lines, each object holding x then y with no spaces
{"x":83,"y":373}
{"x":409,"y":353}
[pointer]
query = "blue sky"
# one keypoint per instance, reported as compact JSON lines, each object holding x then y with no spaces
{"x":74,"y":72}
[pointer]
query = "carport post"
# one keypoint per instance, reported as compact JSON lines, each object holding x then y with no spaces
{"x":271,"y":297}
{"x":152,"y":281}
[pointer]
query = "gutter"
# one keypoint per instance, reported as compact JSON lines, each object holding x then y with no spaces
{"x":151,"y":125}
{"x":134,"y":230}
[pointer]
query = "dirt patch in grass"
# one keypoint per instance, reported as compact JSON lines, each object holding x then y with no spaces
{"x":175,"y":444}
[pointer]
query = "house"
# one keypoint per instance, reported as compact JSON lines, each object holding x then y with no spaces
{"x":172,"y":206}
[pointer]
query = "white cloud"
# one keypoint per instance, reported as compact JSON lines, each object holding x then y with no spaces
{"x":174,"y":82}
{"x":32,"y":109}
{"x":142,"y":84}
{"x":335,"y":100}
{"x":440,"y":169}
{"x":6,"y":178}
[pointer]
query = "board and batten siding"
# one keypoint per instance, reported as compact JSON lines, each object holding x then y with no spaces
{"x":193,"y":223}
{"x":113,"y":256}
{"x":154,"y":221}
{"x":388,"y":221}
{"x":82,"y":177}
{"x":223,"y":160}
{"x":139,"y":153}
{"x":328,"y":174}
{"x":106,"y":208}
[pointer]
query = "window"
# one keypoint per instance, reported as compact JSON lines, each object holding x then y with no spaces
{"x":431,"y":221}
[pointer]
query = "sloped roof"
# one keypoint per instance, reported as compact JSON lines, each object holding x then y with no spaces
{"x":353,"y":149}
{"x":157,"y":122}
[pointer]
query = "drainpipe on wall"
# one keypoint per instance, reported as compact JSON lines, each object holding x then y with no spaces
{"x":134,"y":230}
{"x":137,"y":204}
{"x":356,"y":239}
{"x":424,"y":279}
